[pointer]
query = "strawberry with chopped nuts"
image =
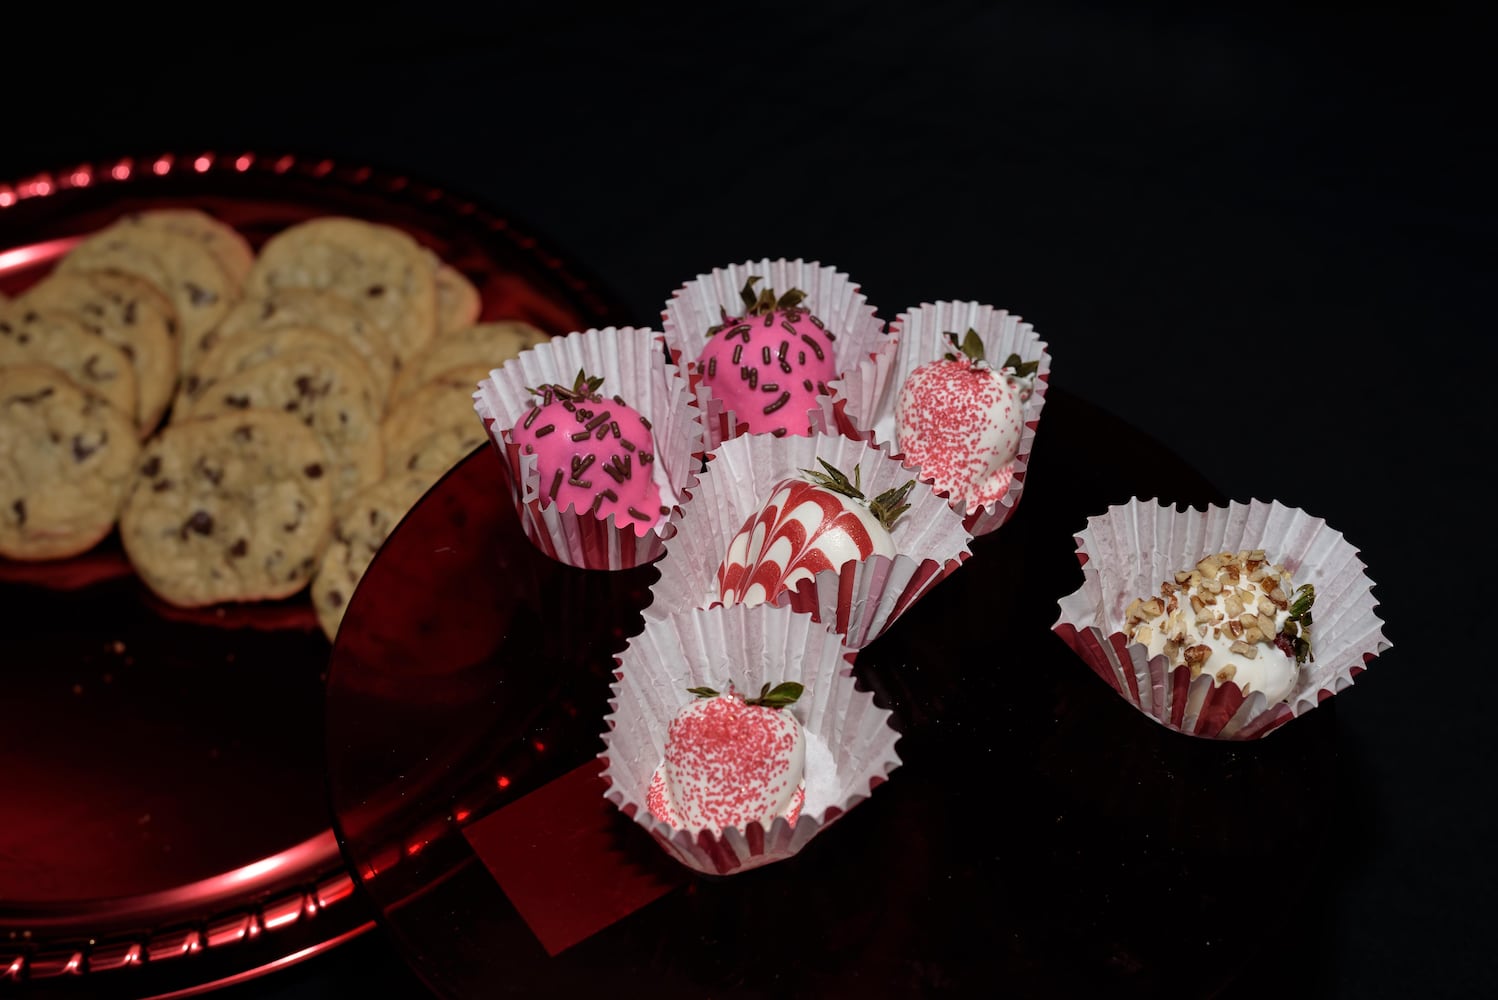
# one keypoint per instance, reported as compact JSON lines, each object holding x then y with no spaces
{"x":960,"y":420}
{"x":769,"y":364}
{"x":731,"y":761}
{"x":808,"y":525}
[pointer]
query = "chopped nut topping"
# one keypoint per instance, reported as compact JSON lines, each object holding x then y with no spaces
{"x":1226,"y":673}
{"x":1244,"y":650}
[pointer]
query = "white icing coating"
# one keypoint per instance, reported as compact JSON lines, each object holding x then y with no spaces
{"x":1221,"y":611}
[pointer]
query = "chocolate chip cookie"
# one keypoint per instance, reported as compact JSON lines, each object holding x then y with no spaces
{"x":328,"y":393}
{"x":378,"y":267}
{"x":200,"y":290}
{"x":221,"y":240}
{"x":438,"y":404}
{"x":482,"y":344}
{"x":361,"y":527}
{"x":66,"y":458}
{"x":130,"y":313}
{"x":51,"y":337}
{"x":316,"y":308}
{"x":234,"y":507}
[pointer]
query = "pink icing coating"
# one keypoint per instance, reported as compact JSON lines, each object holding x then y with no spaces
{"x":770,"y":369}
{"x":729,"y":764}
{"x":961,"y":423}
{"x":592,"y":453}
{"x":802,"y":530}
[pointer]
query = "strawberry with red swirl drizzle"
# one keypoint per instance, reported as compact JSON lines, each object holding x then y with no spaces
{"x":731,"y":761}
{"x":593,"y":454}
{"x":769,"y":365}
{"x":808,"y":526}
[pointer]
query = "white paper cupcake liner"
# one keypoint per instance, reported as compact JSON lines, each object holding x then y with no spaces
{"x":863,"y":401}
{"x":860,"y":599}
{"x":1131,"y":549}
{"x":633,"y":366}
{"x":698,"y":305}
{"x":850,"y":743}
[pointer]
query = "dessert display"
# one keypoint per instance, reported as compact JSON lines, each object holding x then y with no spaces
{"x":1225,"y":650}
{"x":170,"y":323}
{"x":938,"y":396}
{"x":761,"y":342}
{"x":1235,"y":616}
{"x":961,"y":421}
{"x":811,"y":524}
{"x":769,"y":363}
{"x":829,"y":525}
{"x":599,"y":442}
{"x":731,"y":760}
{"x":737,"y":734}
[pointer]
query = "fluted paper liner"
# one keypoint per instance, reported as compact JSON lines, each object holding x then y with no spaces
{"x":860,"y":599}
{"x":632,"y":364}
{"x":1131,"y":549}
{"x":862,"y":402}
{"x":697,"y":306}
{"x":850,"y":744}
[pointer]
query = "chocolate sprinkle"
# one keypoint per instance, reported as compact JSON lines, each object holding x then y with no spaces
{"x":785,"y":397}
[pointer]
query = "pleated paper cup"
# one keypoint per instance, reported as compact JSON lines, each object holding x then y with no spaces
{"x":850,"y":743}
{"x":632,"y":365}
{"x":1128,"y":551}
{"x":861,"y":599}
{"x":862,"y":402}
{"x":700,"y":304}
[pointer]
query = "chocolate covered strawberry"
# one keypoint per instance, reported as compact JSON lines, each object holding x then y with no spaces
{"x":593,"y":453}
{"x":808,"y":525}
{"x":960,"y":420}
{"x":769,"y":364}
{"x":731,"y":761}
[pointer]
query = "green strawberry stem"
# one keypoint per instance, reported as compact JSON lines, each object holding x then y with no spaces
{"x":886,"y":507}
{"x":584,"y":388}
{"x":780,"y":696}
{"x":971,"y":345}
{"x":765,"y":302}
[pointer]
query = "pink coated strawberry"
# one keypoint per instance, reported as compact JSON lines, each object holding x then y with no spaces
{"x":731,"y":761}
{"x":593,"y":454}
{"x":769,"y":365}
{"x":960,"y":420}
{"x":807,"y":526}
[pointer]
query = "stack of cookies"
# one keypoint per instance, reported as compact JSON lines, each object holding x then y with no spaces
{"x":253,"y":422}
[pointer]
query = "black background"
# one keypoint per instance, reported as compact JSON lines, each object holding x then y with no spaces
{"x":1282,"y":213}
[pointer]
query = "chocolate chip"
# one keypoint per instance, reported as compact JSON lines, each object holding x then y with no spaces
{"x":335,"y":598}
{"x":200,"y":522}
{"x":152,"y":466}
{"x":198,"y":295}
{"x":20,"y":508}
{"x":82,"y":449}
{"x":161,"y":486}
{"x":238,"y":549}
{"x":237,"y":402}
{"x":130,"y":313}
{"x":313,"y":471}
{"x":375,"y":291}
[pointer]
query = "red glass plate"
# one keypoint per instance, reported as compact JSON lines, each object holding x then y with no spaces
{"x":1040,"y":838}
{"x":163,"y":819}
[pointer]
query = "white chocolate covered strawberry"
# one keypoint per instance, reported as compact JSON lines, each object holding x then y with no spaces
{"x":593,"y":453}
{"x":731,"y":761}
{"x":960,"y":420}
{"x":807,"y":526}
{"x":769,"y":364}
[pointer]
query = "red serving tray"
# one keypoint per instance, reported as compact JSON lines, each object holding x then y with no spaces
{"x":164,"y":828}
